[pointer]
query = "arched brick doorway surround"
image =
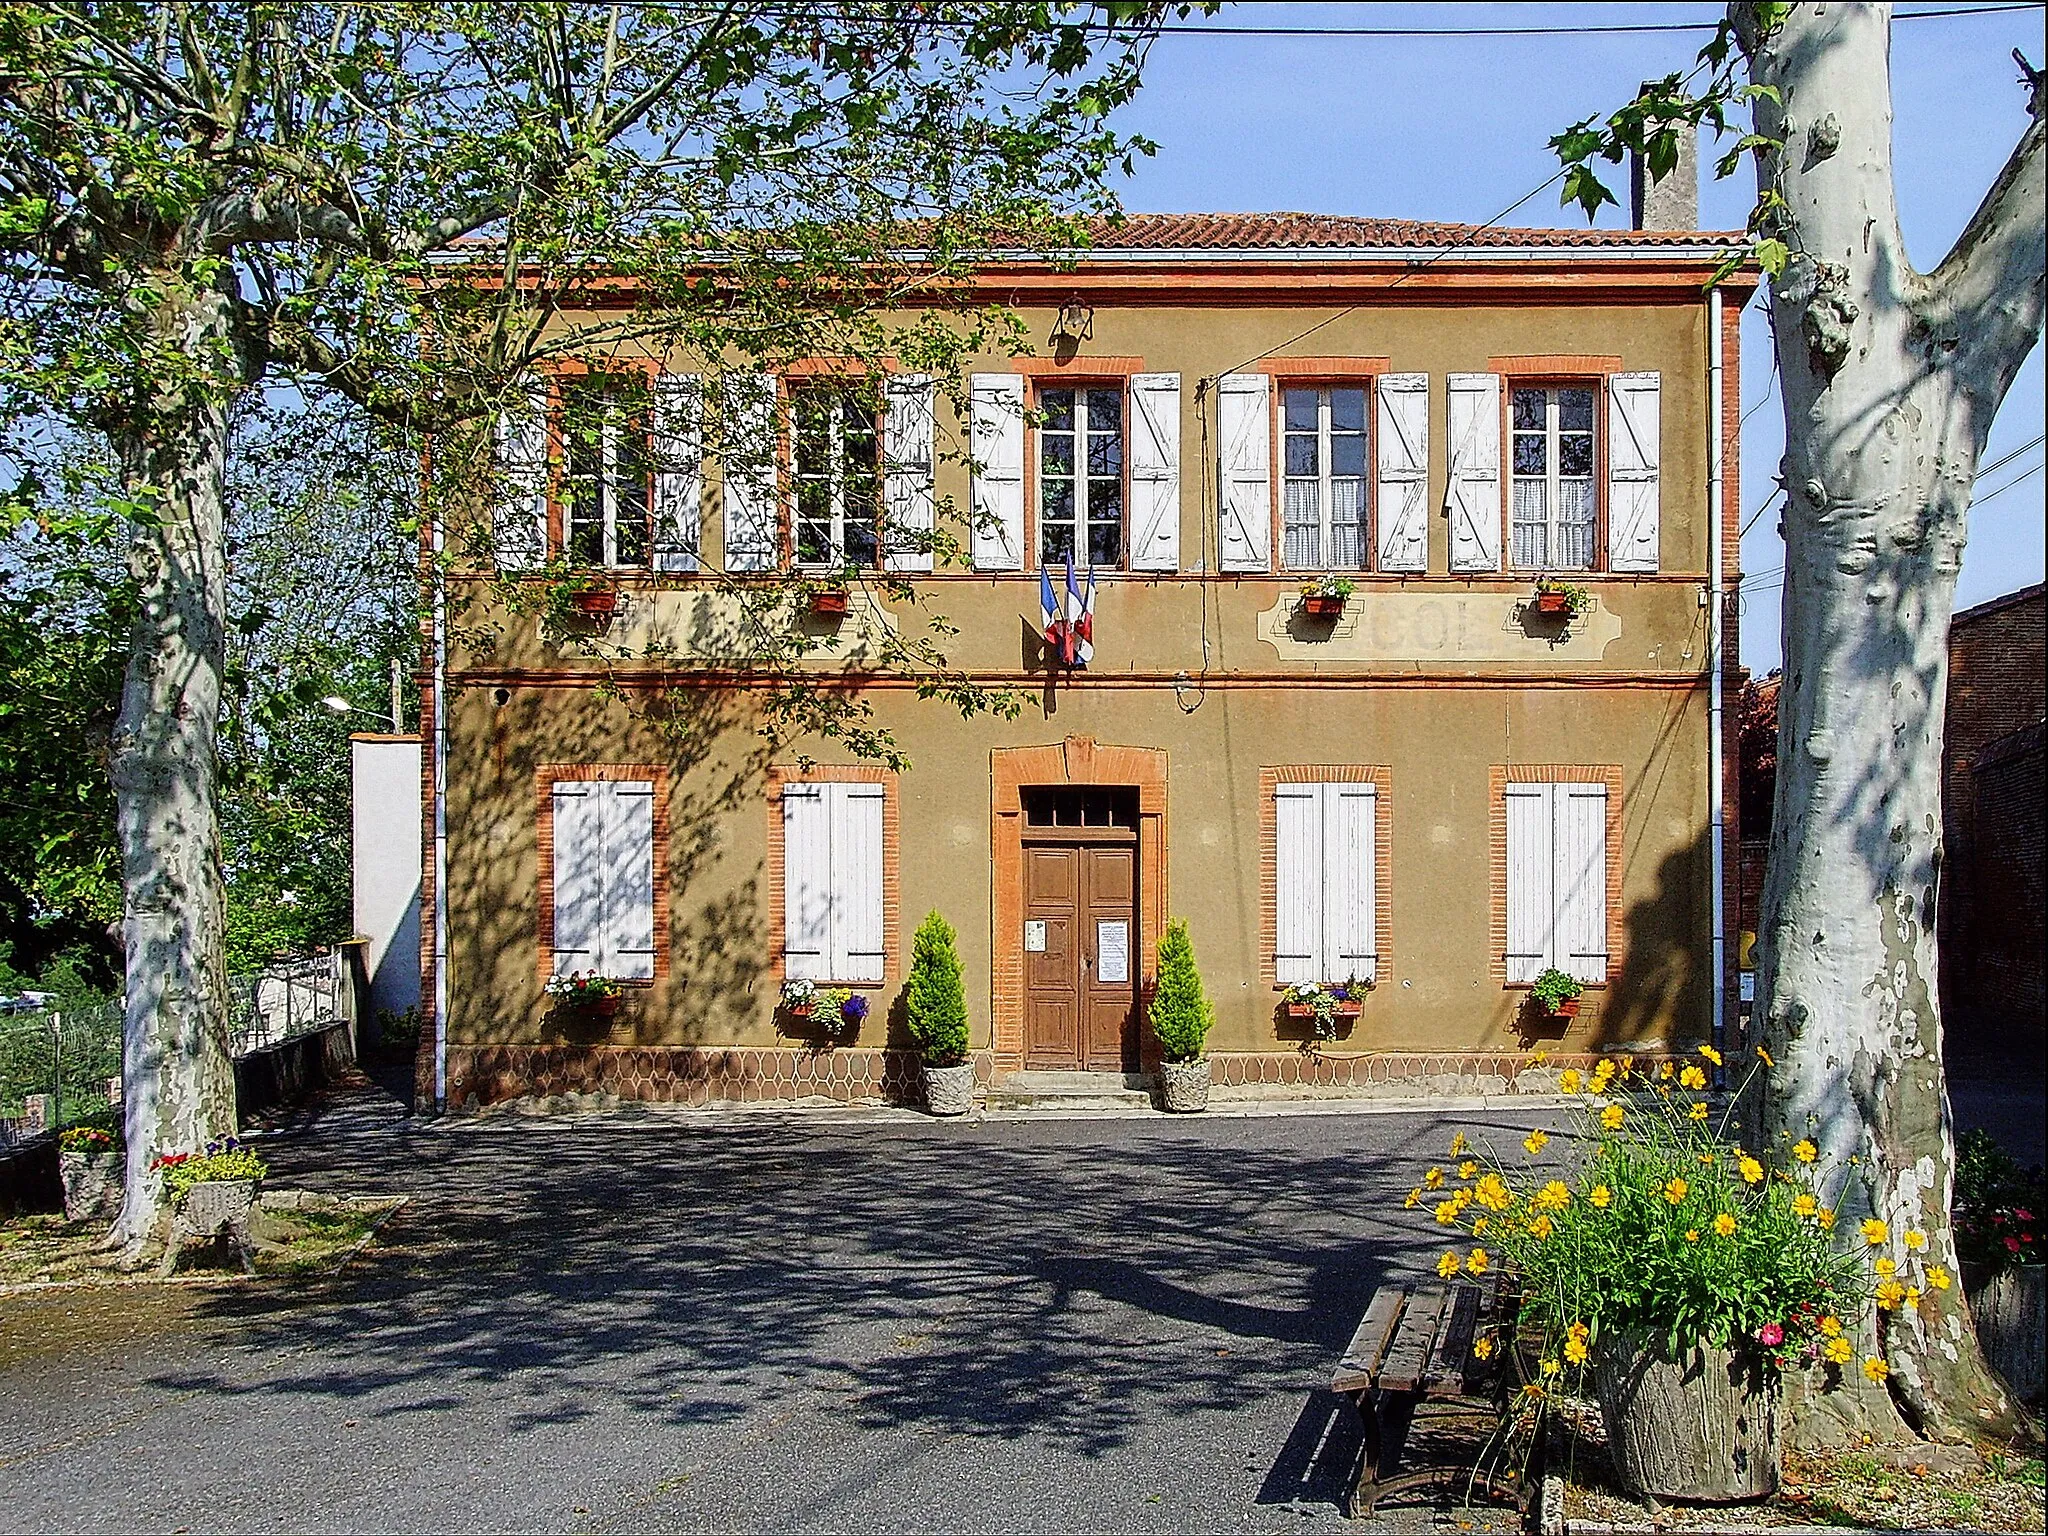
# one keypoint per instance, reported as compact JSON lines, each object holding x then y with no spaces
{"x":1076,"y":760}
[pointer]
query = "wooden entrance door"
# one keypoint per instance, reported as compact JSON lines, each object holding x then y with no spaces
{"x":1080,"y":955}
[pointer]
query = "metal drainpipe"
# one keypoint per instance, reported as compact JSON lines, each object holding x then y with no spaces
{"x":440,"y":782}
{"x":1715,"y":766}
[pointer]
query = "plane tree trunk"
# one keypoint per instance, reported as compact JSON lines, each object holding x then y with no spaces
{"x":1890,"y":381}
{"x":171,"y":449}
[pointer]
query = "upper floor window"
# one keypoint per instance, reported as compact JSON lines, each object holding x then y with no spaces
{"x":607,"y":474}
{"x":1554,"y":502}
{"x":1081,"y":476}
{"x":1323,"y":515}
{"x":835,"y":465}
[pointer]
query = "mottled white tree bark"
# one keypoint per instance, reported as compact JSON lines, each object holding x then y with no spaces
{"x":1890,"y":380}
{"x":171,"y":450}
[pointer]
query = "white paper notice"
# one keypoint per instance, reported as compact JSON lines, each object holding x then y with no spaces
{"x":1034,"y":938}
{"x":1113,"y":951}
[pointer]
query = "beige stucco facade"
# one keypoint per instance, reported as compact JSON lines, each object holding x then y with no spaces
{"x":1443,"y":686}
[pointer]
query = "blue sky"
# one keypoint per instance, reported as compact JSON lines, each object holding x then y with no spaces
{"x":1455,"y":128}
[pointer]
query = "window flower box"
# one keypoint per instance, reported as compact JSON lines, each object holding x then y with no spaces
{"x":829,"y":603}
{"x":1556,"y":993}
{"x":1560,"y":600}
{"x":1324,"y":597}
{"x":595,"y":602}
{"x":1328,"y":1010}
{"x":587,"y":993}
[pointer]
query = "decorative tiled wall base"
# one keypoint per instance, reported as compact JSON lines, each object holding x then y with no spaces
{"x":483,"y":1075}
{"x":489,"y":1074}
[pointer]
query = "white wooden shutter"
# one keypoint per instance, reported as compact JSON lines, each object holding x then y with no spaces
{"x":678,"y":472}
{"x":1531,"y":863}
{"x":578,"y":812}
{"x":907,"y":473}
{"x":1349,"y":919}
{"x":1244,"y":432}
{"x":856,"y":882}
{"x":1298,"y":882}
{"x":1402,"y":452}
{"x":806,"y":881}
{"x":1473,"y":494}
{"x":752,"y":534}
{"x":519,"y":521}
{"x":1155,"y":472}
{"x":996,"y":425}
{"x":628,"y":952}
{"x":1634,"y":423}
{"x":1580,"y":849}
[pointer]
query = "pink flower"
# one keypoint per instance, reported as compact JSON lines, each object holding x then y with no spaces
{"x":2012,"y":1244}
{"x":2024,"y":1215}
{"x":1771,"y":1335}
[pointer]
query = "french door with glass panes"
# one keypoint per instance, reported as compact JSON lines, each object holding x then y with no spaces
{"x":607,"y":475}
{"x":1323,"y":515}
{"x":1081,"y":476}
{"x":837,"y":474}
{"x":1554,"y":503}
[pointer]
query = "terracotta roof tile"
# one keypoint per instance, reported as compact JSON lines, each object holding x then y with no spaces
{"x":1313,"y":231}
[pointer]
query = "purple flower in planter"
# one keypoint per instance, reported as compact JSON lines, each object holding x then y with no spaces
{"x":854,"y":1009}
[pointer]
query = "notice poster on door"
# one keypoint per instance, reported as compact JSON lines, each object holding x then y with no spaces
{"x":1113,"y":951}
{"x":1034,"y":937}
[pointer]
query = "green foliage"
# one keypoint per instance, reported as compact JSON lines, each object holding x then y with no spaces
{"x":1554,"y":988}
{"x":1181,"y":1014}
{"x":222,"y":1160}
{"x":2001,"y":1209}
{"x":935,"y":1001}
{"x":1657,"y":1226}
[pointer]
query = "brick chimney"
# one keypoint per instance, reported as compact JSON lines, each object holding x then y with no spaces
{"x":1674,"y":202}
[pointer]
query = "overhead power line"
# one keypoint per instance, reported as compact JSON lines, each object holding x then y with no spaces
{"x":1605,"y":29}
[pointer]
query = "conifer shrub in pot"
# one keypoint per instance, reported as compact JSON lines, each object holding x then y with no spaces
{"x":1181,"y":1016}
{"x":935,"y":1007}
{"x":1673,"y":1274}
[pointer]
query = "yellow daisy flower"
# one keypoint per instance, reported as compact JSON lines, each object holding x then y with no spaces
{"x":1724,"y":1225}
{"x":1477,"y":1261}
{"x":1447,"y":1213}
{"x":1711,"y":1054}
{"x":1937,"y":1277}
{"x":1886,"y":1268}
{"x":1601,"y":1196}
{"x":1837,"y":1351}
{"x":1482,"y":1349}
{"x":1831,"y":1326}
{"x":1539,"y":1227}
{"x":1492,"y":1192}
{"x":1874,"y":1231}
{"x":1890,"y":1294}
{"x":1459,"y":1145}
{"x":1764,"y":1056}
{"x":1553,"y":1196}
{"x":1467,"y":1169}
{"x":1692,"y":1077}
{"x":1434,"y":1178}
{"x":1549,"y":1367}
{"x":1447,"y":1266}
{"x":1692,"y":1234}
{"x":1479,"y":1226}
{"x":1751,"y":1170}
{"x":1536,"y":1142}
{"x":1826,"y":1218}
{"x":1875,"y":1368}
{"x":1916,"y":1240}
{"x":1575,"y":1351}
{"x":1414,"y":1199}
{"x":1805,"y":1151}
{"x":1568,"y":1080}
{"x":1675,"y":1191}
{"x":1804,"y":1205}
{"x":1698,"y":1110}
{"x":1611,"y":1117}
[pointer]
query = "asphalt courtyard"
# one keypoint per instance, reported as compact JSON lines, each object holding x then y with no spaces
{"x":754,"y":1322}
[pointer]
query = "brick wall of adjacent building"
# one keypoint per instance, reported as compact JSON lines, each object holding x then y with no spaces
{"x":1997,"y":690}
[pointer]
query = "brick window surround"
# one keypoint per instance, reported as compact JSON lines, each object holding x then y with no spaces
{"x":1381,"y":779}
{"x":892,"y":850}
{"x":545,"y":780}
{"x":1499,"y":777}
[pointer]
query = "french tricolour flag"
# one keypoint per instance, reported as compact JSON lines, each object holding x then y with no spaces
{"x":1057,"y":639}
{"x":1080,"y":633}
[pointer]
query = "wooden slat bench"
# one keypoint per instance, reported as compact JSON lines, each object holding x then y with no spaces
{"x":1414,"y":1346}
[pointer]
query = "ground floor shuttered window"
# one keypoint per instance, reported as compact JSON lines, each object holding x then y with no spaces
{"x":832,"y":881}
{"x":1325,"y":855}
{"x":604,"y":878}
{"x":1557,"y":880}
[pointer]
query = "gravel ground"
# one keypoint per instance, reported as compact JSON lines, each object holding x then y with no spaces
{"x":754,"y":1322}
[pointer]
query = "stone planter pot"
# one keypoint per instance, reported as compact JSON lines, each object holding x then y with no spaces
{"x":949,"y":1090}
{"x":217,"y":1204}
{"x":1702,"y":1428}
{"x":2010,"y":1309}
{"x":92,"y":1184}
{"x":1184,"y":1085}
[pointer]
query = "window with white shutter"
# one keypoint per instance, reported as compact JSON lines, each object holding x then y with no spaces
{"x":1556,"y":880}
{"x":1325,"y":867}
{"x":1553,"y":506}
{"x":835,"y":477}
{"x":519,"y":519}
{"x":607,"y":485}
{"x":996,"y":423}
{"x":834,"y":903}
{"x":603,"y":878}
{"x":1323,"y":506}
{"x":1244,"y":428}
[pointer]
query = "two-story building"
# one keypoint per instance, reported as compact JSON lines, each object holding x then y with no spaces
{"x":1438,"y":788}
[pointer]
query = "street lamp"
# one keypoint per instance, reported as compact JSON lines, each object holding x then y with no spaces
{"x":396,"y":718}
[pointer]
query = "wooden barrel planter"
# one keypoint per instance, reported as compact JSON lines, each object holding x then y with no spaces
{"x":2010,"y":1308}
{"x":1700,"y":1428}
